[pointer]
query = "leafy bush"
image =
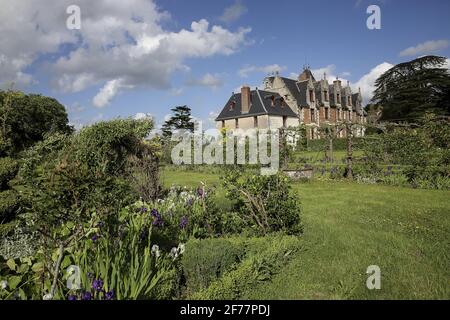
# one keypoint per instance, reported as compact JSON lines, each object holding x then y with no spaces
{"x":207,"y":260}
{"x":118,"y":259}
{"x":423,"y":151}
{"x":9,"y":203}
{"x":257,"y":266}
{"x":20,"y":278}
{"x":265,"y":203}
{"x":8,"y":170}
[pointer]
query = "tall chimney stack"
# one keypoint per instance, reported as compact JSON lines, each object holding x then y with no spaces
{"x":245,"y":99}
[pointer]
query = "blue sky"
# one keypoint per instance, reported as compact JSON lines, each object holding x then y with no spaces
{"x":147,"y":56}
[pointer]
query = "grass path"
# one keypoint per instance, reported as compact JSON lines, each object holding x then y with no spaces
{"x":348,"y":227}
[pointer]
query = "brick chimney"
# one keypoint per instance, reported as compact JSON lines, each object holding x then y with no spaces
{"x":245,"y":99}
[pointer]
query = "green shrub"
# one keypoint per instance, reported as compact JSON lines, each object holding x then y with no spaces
{"x":8,"y":170}
{"x":9,"y":203}
{"x":207,"y":260}
{"x":265,"y":203}
{"x":264,"y":258}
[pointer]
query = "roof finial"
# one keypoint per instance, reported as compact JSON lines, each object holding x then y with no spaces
{"x":348,"y":83}
{"x":325,"y":75}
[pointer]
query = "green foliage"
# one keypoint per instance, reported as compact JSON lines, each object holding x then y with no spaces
{"x":339,"y":144}
{"x":25,"y":119}
{"x":9,"y":203}
{"x":422,"y":150}
{"x":66,"y":176}
{"x":257,"y":267}
{"x":20,"y":279}
{"x":207,"y":260}
{"x":181,"y":119}
{"x":265,"y":203}
{"x":119,"y":251}
{"x":410,"y":89}
{"x":8,"y":170}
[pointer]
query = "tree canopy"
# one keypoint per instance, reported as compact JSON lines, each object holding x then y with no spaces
{"x":410,"y":89}
{"x":181,"y":119}
{"x":26,"y":118}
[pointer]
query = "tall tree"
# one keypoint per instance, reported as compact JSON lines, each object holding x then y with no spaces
{"x":410,"y":89}
{"x":181,"y":119}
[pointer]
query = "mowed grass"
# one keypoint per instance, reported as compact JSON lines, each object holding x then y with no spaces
{"x":349,"y":227}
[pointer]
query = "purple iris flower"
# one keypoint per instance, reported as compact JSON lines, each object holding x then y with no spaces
{"x":87,"y":296}
{"x":109,"y":295}
{"x":97,"y":284}
{"x":72,"y":297}
{"x":183,"y":222}
{"x":94,"y":237}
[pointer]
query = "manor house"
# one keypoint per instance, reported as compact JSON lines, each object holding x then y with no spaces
{"x":286,"y":102}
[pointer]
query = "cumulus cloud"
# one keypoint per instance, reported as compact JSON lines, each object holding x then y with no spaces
{"x":142,"y":115}
{"x":366,"y":83}
{"x":208,"y":80}
{"x":121,"y":44}
{"x":233,"y":12}
{"x":424,"y":48}
{"x":246,"y":70}
{"x":107,"y":93}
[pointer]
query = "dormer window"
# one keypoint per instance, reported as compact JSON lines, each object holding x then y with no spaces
{"x":325,"y":96}
{"x":272,"y":98}
{"x":338,"y":98}
{"x":232,"y":105}
{"x":282,"y":103}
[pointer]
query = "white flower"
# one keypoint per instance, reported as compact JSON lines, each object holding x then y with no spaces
{"x":155,"y":250}
{"x":174,"y":253}
{"x":3,"y":284}
{"x":48,"y":296}
{"x":181,"y":248}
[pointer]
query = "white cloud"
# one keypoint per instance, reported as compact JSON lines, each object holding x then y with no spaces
{"x":424,"y":48}
{"x":208,"y":80}
{"x":141,"y":115}
{"x":246,"y":70}
{"x":233,"y":12}
{"x":108,"y":92}
{"x":238,"y":89}
{"x":176,"y":91}
{"x":367,"y":81}
{"x":447,"y":63}
{"x":118,"y":40}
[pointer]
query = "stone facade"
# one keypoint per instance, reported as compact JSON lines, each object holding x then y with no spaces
{"x":287,"y":102}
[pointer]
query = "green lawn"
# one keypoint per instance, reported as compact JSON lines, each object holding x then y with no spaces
{"x":350,"y":226}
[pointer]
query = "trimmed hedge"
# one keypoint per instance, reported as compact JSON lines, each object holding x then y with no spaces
{"x":263,"y":258}
{"x":208,"y":259}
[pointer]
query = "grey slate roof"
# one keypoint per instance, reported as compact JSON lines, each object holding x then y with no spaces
{"x":299,"y":93}
{"x":261,"y":104}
